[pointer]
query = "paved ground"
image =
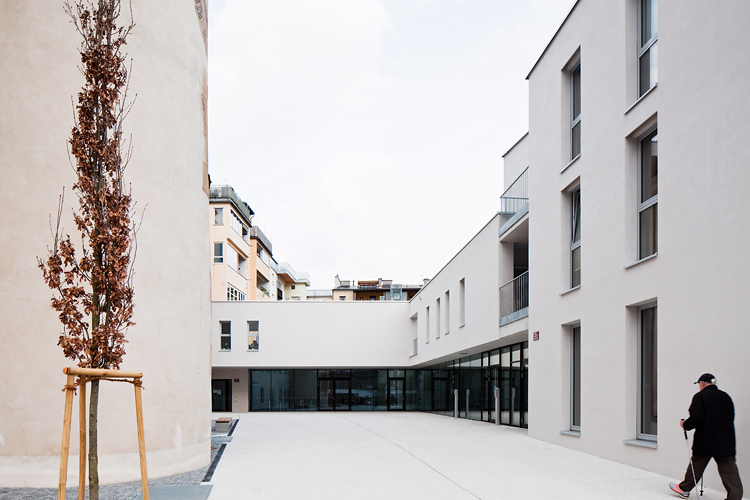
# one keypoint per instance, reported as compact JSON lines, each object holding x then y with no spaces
{"x":353,"y":455}
{"x":388,"y":456}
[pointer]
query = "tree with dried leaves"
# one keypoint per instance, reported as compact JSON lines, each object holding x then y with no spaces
{"x":92,"y":283}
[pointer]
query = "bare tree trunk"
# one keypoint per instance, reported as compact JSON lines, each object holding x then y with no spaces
{"x":93,"y":454}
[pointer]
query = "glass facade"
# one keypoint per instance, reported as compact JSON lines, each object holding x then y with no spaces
{"x":468,"y":382}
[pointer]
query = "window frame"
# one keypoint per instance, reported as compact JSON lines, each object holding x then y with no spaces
{"x":640,"y":435}
{"x":234,"y":294}
{"x":644,"y":47}
{"x":575,"y":382}
{"x":218,"y":216}
{"x":575,"y":120}
{"x":221,"y":254}
{"x":253,"y":333}
{"x":644,"y":205}
{"x":575,"y":221}
{"x":225,"y":336}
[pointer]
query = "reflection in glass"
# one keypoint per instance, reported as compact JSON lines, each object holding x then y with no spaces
{"x":648,"y":222}
{"x":648,"y":382}
{"x":575,"y":148}
{"x":576,"y":274}
{"x":649,"y":167}
{"x":575,"y":383}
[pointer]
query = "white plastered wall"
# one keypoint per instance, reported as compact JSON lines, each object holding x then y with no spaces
{"x":170,"y":343}
{"x":699,"y":276}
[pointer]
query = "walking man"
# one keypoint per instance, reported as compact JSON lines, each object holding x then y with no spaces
{"x":712,"y":417}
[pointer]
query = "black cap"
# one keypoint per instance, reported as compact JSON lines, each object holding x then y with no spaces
{"x":706,"y":377}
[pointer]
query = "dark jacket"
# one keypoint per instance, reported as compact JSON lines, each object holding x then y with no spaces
{"x":712,"y":417}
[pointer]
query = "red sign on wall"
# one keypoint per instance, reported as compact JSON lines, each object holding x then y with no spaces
{"x":536,"y":336}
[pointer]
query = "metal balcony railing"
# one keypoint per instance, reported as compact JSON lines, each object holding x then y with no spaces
{"x":257,"y":234}
{"x":516,"y":196}
{"x":514,"y":295}
{"x":227,"y":193}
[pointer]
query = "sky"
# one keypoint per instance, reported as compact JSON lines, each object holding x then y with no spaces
{"x":367,"y":135}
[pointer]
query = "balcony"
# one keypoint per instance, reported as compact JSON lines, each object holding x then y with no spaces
{"x":257,"y":234}
{"x":516,"y":197}
{"x":514,"y":299}
{"x":285,"y":270}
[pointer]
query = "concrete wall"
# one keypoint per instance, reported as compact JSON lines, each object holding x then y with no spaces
{"x":311,"y":334}
{"x":699,"y":276}
{"x":477,"y":266}
{"x":170,"y":343}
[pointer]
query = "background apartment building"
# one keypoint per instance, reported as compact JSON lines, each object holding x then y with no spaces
{"x":243,"y":267}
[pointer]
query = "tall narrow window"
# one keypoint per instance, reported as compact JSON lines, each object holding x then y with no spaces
{"x":575,"y":378}
{"x":437,"y":318}
{"x":218,"y":216}
{"x":253,"y":335}
{"x":647,"y":373}
{"x":575,"y":112}
{"x":427,"y":324}
{"x":218,"y":253}
{"x":447,"y":312}
{"x":648,"y":195}
{"x":647,"y":54}
{"x":575,"y":239}
{"x":462,"y":302}
{"x":226,"y":336}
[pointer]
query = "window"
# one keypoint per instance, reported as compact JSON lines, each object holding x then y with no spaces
{"x":648,"y":191}
{"x":462,"y":302}
{"x":427,"y":324}
{"x":342,"y":298}
{"x":647,"y":54}
{"x":575,"y":238}
{"x":218,"y":253}
{"x":647,"y":373}
{"x":293,"y":287}
{"x":575,"y":112}
{"x":226,"y":336}
{"x":232,"y":258}
{"x":437,"y":318}
{"x":575,"y":378}
{"x":447,"y":312}
{"x":238,"y":226}
{"x":253,"y":329}
{"x":218,"y":216}
{"x":234,"y":294}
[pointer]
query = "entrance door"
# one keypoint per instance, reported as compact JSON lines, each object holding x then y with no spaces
{"x":221,"y":395}
{"x":396,"y":397}
{"x":334,"y":394}
{"x":440,"y":394}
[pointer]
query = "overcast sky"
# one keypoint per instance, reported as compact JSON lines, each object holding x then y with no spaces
{"x":367,"y":135}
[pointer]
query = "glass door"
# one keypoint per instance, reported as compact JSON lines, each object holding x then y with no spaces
{"x":396,"y":399}
{"x":440,"y":394}
{"x":334,"y":394}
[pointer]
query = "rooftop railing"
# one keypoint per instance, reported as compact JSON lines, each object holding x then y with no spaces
{"x":227,"y":193}
{"x":514,"y":295}
{"x":257,"y":234}
{"x":516,"y":196}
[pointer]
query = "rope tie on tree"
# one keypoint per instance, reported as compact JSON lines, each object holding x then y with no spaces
{"x":73,"y":387}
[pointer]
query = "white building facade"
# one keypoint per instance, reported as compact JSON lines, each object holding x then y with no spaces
{"x":612,"y":277}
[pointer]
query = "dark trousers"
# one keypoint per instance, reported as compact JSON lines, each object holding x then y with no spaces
{"x":730,"y":476}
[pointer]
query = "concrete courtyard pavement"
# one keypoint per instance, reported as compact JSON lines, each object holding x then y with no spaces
{"x":390,"y":455}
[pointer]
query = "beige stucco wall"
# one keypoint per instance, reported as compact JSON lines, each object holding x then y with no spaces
{"x":171,"y":342}
{"x":700,"y":274}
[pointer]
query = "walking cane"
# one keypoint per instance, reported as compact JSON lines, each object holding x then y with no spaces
{"x":690,"y":457}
